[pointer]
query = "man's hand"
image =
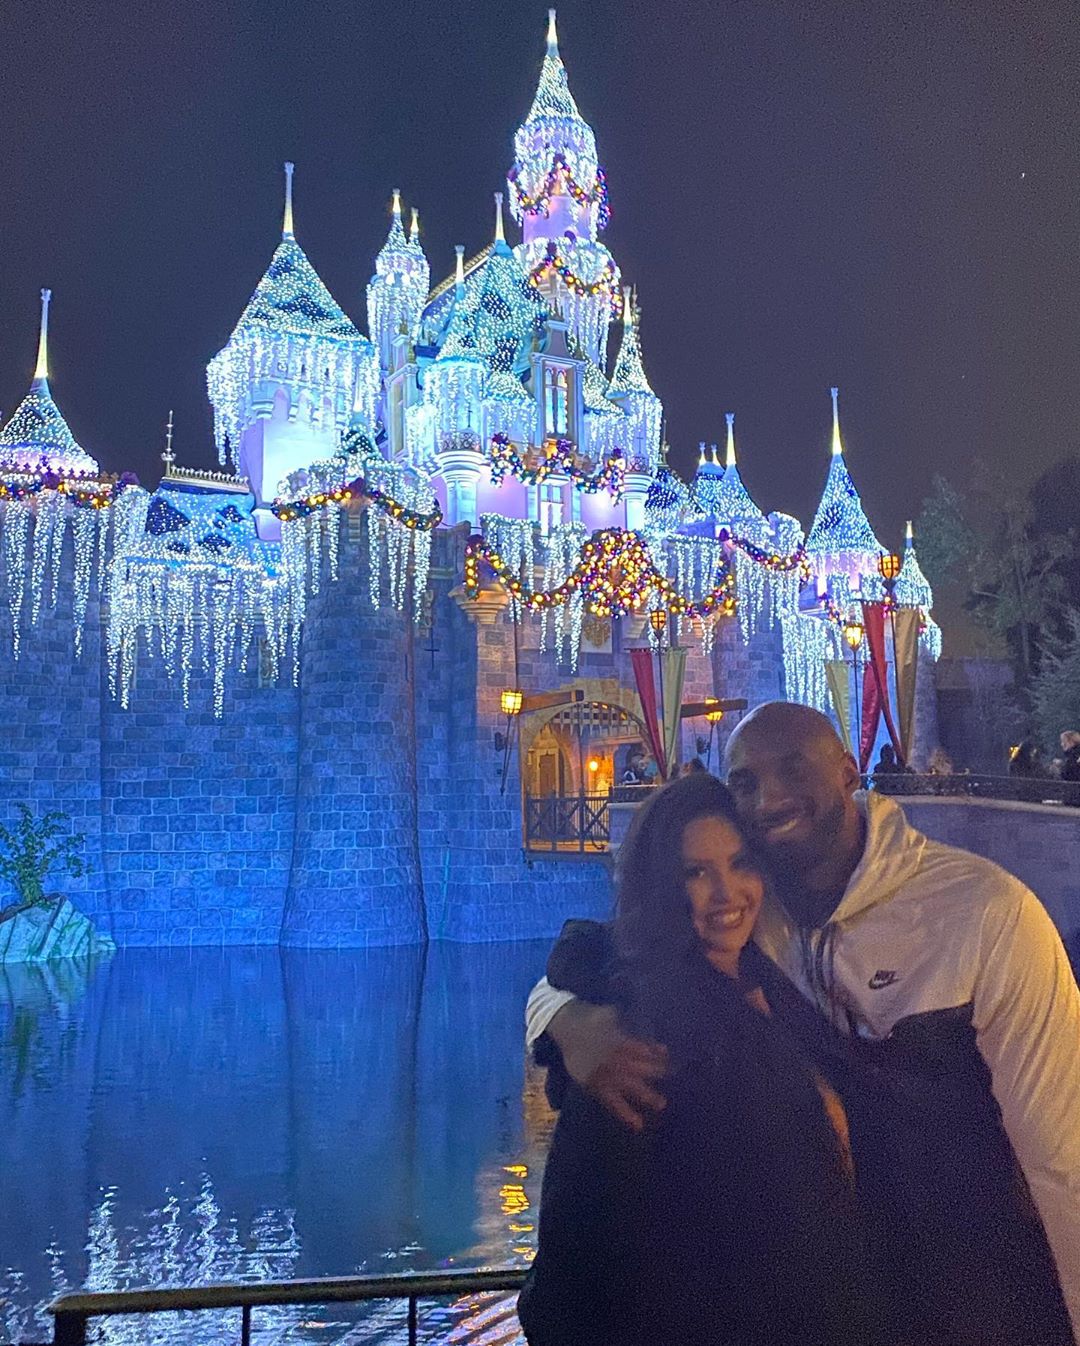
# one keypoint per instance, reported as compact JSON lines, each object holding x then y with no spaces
{"x":617,"y":1070}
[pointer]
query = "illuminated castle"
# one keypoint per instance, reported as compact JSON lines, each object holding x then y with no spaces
{"x":477,"y":458}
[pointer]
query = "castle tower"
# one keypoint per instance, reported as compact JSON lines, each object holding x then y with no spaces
{"x":398,"y":289}
{"x":559,"y":196}
{"x":294,"y":374}
{"x":37,"y":438}
{"x":630,"y":389}
{"x":841,"y":541}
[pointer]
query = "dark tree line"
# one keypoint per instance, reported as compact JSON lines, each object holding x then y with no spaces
{"x":1011,"y":558}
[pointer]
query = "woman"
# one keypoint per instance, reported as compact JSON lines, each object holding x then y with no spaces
{"x":733,"y":1219}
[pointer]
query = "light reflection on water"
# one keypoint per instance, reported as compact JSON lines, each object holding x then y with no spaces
{"x":173,"y":1117}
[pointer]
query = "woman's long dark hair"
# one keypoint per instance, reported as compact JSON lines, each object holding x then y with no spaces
{"x":653,"y":924}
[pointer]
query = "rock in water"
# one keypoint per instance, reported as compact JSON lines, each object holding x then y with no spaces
{"x":43,"y":933}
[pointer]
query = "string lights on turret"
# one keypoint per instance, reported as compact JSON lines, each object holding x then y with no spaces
{"x":559,"y":196}
{"x":295,"y":339}
{"x":399,"y":287}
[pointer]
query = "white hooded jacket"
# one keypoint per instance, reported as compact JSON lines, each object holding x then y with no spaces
{"x":924,"y":927}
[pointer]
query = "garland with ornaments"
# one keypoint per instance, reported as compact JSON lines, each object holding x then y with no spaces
{"x":615,"y":575}
{"x":560,"y":170}
{"x":98,"y":493}
{"x":774,"y":561}
{"x":605,"y":285}
{"x":288,"y":510}
{"x":560,"y":456}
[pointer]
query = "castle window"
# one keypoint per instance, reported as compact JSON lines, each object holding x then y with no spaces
{"x":551,"y":507}
{"x":556,"y":401}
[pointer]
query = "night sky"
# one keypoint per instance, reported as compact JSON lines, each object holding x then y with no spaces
{"x":880,"y":195}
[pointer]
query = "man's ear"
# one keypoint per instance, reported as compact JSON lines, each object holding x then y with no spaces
{"x":851,"y":773}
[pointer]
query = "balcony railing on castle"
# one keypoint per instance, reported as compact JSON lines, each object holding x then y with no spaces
{"x":72,"y":1313}
{"x":567,"y":823}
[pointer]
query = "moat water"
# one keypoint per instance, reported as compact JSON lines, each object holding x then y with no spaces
{"x":176,"y":1117}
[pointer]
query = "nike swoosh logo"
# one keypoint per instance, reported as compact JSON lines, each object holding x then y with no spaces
{"x":881,"y":979}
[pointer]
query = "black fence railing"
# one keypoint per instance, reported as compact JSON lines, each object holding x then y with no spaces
{"x":1020,"y":789}
{"x":72,"y":1313}
{"x":567,"y":823}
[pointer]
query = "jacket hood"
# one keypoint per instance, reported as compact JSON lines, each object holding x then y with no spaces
{"x":893,"y":853}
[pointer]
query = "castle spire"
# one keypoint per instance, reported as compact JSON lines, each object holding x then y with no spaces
{"x":552,"y":36}
{"x":41,"y":369}
{"x":729,"y":460}
{"x":909,"y":536}
{"x":37,"y":435}
{"x":287,"y":223}
{"x":459,"y":268}
{"x":500,"y":234}
{"x":837,"y":446}
{"x":414,"y":227}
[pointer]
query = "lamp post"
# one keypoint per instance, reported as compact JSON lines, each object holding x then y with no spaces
{"x":889,"y":566}
{"x":714,"y":717}
{"x":658,"y":622}
{"x":510,"y":701}
{"x":853,"y":638}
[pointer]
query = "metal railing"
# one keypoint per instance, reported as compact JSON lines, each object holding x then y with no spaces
{"x":1019,"y":789}
{"x":567,"y":823}
{"x":72,"y":1313}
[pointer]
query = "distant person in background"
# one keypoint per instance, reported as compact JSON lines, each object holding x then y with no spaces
{"x":939,"y":763}
{"x":1070,"y":755}
{"x":1025,"y":761}
{"x":886,"y":764}
{"x":635,"y":769}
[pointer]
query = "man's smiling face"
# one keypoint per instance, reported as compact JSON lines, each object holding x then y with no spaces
{"x":792,"y":782}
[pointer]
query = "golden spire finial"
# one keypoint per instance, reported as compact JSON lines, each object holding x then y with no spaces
{"x":837,"y":447}
{"x":500,"y":236}
{"x":41,"y":369}
{"x":729,"y":461}
{"x":414,"y":225}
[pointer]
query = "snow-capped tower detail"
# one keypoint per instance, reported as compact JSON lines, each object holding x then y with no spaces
{"x":37,"y":437}
{"x":630,"y":389}
{"x":841,"y":541}
{"x":294,"y":374}
{"x":735,"y":504}
{"x":559,"y":196}
{"x":399,"y":287}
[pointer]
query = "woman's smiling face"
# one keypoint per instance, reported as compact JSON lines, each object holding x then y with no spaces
{"x":724,"y":887}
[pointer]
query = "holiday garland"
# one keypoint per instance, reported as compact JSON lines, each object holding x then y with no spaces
{"x":771,"y":560}
{"x":584,"y":196}
{"x":98,"y":494}
{"x":615,"y":575}
{"x":358,"y":489}
{"x":553,"y":260}
{"x":560,"y":456}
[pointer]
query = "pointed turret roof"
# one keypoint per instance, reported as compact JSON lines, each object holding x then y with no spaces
{"x":553,"y":131}
{"x":734,"y":504}
{"x":629,"y":373}
{"x":291,"y":298}
{"x":553,"y":97}
{"x":496,"y":313}
{"x":840,"y":526}
{"x":912,"y":587}
{"x":37,"y":436}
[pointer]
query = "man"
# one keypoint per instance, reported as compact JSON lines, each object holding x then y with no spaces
{"x":942,"y":971}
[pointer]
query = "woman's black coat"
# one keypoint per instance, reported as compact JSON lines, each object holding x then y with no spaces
{"x":731,"y":1220}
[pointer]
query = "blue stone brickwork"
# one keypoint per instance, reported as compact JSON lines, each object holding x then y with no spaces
{"x":355,"y":865}
{"x":362,"y":807}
